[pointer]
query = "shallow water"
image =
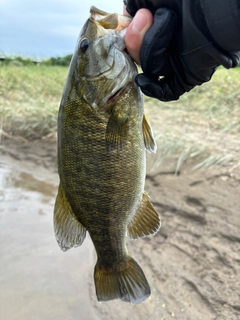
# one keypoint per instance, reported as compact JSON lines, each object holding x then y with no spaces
{"x":37,"y":279}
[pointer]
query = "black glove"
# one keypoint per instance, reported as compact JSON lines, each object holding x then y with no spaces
{"x":180,"y":48}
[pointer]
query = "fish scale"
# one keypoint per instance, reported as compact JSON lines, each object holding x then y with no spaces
{"x":90,"y":139}
{"x":102,"y":137}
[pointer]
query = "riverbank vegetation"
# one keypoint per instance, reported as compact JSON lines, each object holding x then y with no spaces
{"x":30,"y":96}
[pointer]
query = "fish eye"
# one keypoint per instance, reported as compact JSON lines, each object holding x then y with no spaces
{"x":84,"y":44}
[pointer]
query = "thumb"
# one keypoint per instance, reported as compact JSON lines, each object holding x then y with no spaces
{"x":136,"y":31}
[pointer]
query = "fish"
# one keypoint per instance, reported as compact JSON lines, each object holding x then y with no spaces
{"x":103,"y":135}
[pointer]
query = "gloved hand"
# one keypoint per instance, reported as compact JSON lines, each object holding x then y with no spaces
{"x":177,"y":47}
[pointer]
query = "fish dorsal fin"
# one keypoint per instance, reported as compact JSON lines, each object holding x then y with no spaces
{"x":117,"y":130}
{"x":148,"y":137}
{"x":146,"y":220}
{"x":68,"y":230}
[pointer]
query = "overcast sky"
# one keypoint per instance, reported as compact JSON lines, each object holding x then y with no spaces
{"x":45,"y":28}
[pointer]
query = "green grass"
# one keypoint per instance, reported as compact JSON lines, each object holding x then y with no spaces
{"x":194,"y":125}
{"x":202,"y":124}
{"x":216,"y":102}
{"x":29,"y":99}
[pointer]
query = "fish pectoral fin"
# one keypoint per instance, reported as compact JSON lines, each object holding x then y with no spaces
{"x":148,"y":136}
{"x":69,"y":232}
{"x":117,"y":130}
{"x":125,"y":281}
{"x":146,"y":220}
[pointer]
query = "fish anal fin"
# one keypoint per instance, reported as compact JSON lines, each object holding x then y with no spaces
{"x":125,"y":281}
{"x":149,"y":141}
{"x":69,"y":232}
{"x":117,"y":130}
{"x":146,"y":220}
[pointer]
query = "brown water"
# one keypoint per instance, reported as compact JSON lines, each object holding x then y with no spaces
{"x":37,"y":280}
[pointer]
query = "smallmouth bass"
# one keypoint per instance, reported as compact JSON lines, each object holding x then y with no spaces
{"x":102,"y":137}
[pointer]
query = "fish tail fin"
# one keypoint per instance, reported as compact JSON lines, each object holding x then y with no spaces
{"x":126,"y":281}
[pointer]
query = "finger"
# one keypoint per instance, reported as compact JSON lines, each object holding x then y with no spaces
{"x":136,"y":31}
{"x":153,"y":88}
{"x":156,"y":42}
{"x":165,"y":89}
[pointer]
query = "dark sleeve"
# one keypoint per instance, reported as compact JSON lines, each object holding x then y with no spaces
{"x":134,"y":5}
{"x":221,"y":17}
{"x":223,"y":21}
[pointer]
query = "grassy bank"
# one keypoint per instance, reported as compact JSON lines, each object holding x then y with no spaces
{"x":216,"y":102}
{"x":29,"y":99}
{"x":202,"y":124}
{"x":201,"y":120}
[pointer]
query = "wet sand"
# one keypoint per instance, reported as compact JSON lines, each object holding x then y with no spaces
{"x":192,"y":264}
{"x":37,"y":280}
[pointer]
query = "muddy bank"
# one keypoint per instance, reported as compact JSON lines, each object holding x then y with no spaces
{"x":192,"y":264}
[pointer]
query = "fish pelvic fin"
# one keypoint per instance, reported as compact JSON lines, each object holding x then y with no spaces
{"x":146,"y":220}
{"x":69,"y":232}
{"x":125,"y":281}
{"x":149,"y":141}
